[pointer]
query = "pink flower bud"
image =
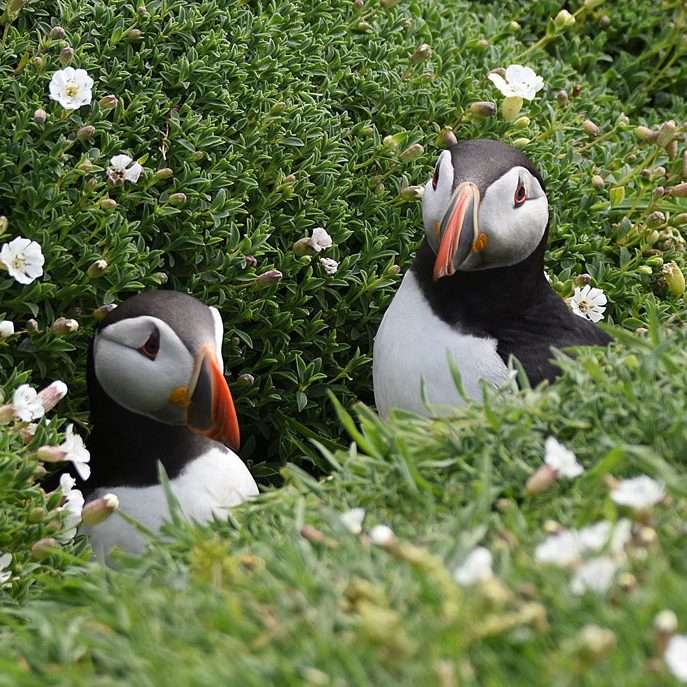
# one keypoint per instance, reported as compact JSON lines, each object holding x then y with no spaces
{"x":99,"y":510}
{"x":270,"y":277}
{"x":52,"y":395}
{"x":44,"y":548}
{"x":40,"y":116}
{"x":108,"y":102}
{"x":66,"y":55}
{"x":541,"y":480}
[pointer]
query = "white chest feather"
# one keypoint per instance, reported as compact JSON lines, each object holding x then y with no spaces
{"x":413,"y":345}
{"x":205,"y":488}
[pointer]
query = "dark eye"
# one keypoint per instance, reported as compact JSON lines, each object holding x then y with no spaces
{"x":151,"y":347}
{"x":435,"y":177}
{"x":520,"y":194}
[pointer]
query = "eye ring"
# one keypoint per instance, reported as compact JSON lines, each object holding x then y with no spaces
{"x":151,"y":347}
{"x":520,"y":195}
{"x":435,"y":176}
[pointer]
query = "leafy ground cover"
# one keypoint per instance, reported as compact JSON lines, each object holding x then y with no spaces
{"x":256,"y":123}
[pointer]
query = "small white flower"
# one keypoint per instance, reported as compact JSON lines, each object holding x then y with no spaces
{"x":595,"y":575}
{"x":71,"y":88}
{"x":71,"y":509}
{"x":594,"y":537}
{"x":330,"y":266}
{"x":561,"y":459}
{"x":76,"y":452}
{"x":562,"y":549}
{"x":5,"y":574}
{"x":6,"y":328}
{"x":639,"y":493}
{"x":23,"y":259}
{"x":320,"y":240}
{"x":675,"y":657}
{"x":27,"y":405}
{"x":120,"y":171}
{"x":588,"y":302}
{"x":352,"y":520}
{"x":382,"y":535}
{"x":520,"y":82}
{"x":476,"y":568}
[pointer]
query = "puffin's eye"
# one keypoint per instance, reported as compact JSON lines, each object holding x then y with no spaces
{"x":520,"y":194}
{"x":435,"y":176}
{"x":151,"y":347}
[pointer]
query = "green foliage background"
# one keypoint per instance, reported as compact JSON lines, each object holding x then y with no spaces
{"x":272,"y":117}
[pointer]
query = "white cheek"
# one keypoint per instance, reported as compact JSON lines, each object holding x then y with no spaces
{"x":219,"y":335}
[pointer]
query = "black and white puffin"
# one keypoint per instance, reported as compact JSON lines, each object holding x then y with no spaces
{"x":476,"y":290}
{"x":157,"y":392}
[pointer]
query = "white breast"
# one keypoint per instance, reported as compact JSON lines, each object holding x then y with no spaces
{"x":205,"y":488}
{"x":413,"y":344}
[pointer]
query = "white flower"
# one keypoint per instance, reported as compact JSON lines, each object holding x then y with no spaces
{"x":77,"y":452}
{"x":595,"y":575}
{"x":382,"y":535}
{"x":675,"y":657}
{"x":27,"y":405}
{"x":639,"y":493}
{"x":320,"y":240}
{"x":71,"y":509}
{"x":71,"y":88}
{"x":594,"y":537}
{"x":561,"y":459}
{"x":6,"y":328}
{"x":476,"y":568}
{"x":5,"y":574}
{"x":352,"y":520}
{"x":120,"y":171}
{"x":520,"y":82}
{"x":588,"y":302}
{"x":23,"y":259}
{"x":562,"y":549}
{"x":330,"y":266}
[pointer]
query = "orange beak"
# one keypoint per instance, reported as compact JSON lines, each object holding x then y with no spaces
{"x":458,"y":230}
{"x":211,"y":408}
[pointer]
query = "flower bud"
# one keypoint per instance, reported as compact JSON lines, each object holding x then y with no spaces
{"x":64,"y":326}
{"x":392,"y":142}
{"x":645,"y":269}
{"x":563,"y":20}
{"x":679,"y":220}
{"x":482,"y":44}
{"x":108,"y":203}
{"x":85,"y":132}
{"x":6,"y":329}
{"x":108,"y":102}
{"x":658,"y":193}
{"x":412,"y":193}
{"x":645,"y":134}
{"x":134,"y":34}
{"x":388,"y":4}
{"x":583,"y":279}
{"x":268,"y":278}
{"x":51,"y":454}
{"x":521,"y":122}
{"x":655,"y":219}
{"x":562,"y":97}
{"x":679,"y":191}
{"x":66,"y":55}
{"x":591,"y":128}
{"x":623,"y":120}
{"x":482,"y":108}
{"x":671,"y":149}
{"x":44,"y":548}
{"x":595,"y":643}
{"x":674,"y":277}
{"x":52,"y":395}
{"x":312,"y":534}
{"x":97,"y":269}
{"x":100,"y":313}
{"x":446,"y":138}
{"x":510,"y":107}
{"x":3,"y":224}
{"x":422,"y":53}
{"x":411,"y":153}
{"x":160,"y":277}
{"x":541,"y":480}
{"x":364,"y":26}
{"x":666,"y":622}
{"x":31,"y":326}
{"x":37,"y":514}
{"x":99,"y":510}
{"x":58,"y":32}
{"x":514,"y":27}
{"x":164,"y":173}
{"x":598,"y":182}
{"x":177,"y":199}
{"x":358,"y":4}
{"x":40,"y":116}
{"x":666,"y":133}
{"x":245,"y":380}
{"x":520,"y":142}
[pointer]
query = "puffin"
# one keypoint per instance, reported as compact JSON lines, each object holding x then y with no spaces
{"x":157,"y":393}
{"x":476,"y":292}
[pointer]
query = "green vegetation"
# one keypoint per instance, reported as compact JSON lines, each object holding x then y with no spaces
{"x":274,"y":118}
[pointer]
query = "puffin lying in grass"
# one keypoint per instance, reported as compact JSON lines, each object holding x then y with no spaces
{"x":157,"y":393}
{"x":476,"y":291}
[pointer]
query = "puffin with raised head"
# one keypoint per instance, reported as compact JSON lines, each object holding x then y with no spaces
{"x":476,"y":291}
{"x":158,"y":393}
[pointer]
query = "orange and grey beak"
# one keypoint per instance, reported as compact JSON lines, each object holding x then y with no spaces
{"x":209,"y":405}
{"x":458,"y":232}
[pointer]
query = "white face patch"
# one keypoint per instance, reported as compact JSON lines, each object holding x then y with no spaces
{"x":219,"y":335}
{"x":436,"y":200}
{"x":513,"y":231}
{"x":135,"y":381}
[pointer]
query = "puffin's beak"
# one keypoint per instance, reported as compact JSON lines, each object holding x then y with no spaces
{"x":211,"y":407}
{"x":458,"y":230}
